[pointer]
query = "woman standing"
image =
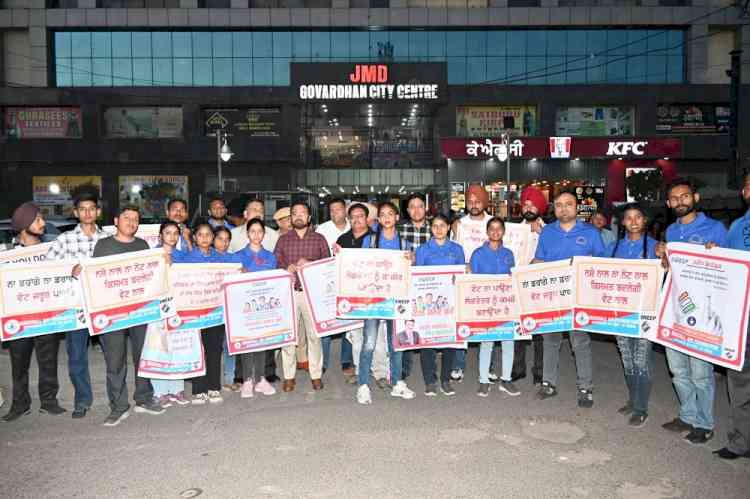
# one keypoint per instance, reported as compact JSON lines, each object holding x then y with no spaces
{"x":255,"y":258}
{"x":493,"y":258}
{"x":222,"y":239}
{"x":438,"y":251}
{"x":636,"y":352}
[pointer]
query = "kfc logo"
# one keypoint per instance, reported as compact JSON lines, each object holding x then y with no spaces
{"x":625,"y":148}
{"x":559,"y":147}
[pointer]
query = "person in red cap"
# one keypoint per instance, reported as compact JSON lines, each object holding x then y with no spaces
{"x":28,"y":221}
{"x":533,"y":206}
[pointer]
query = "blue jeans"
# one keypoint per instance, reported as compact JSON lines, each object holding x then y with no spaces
{"x":428,"y":359}
{"x":459,"y":359}
{"x":346,"y":350}
{"x":229,"y":363}
{"x":636,"y":356}
{"x":369,"y":338}
{"x":167,"y":386}
{"x":693,"y":380}
{"x":77,"y":345}
{"x":485,"y":357}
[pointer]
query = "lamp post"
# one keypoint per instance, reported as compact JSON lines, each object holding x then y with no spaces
{"x":503,"y":154}
{"x":223,"y":153}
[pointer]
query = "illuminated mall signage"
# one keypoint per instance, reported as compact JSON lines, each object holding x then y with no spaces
{"x":637,"y":148}
{"x":393,"y":82}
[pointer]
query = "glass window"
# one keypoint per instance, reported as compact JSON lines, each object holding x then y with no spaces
{"x":516,"y":71}
{"x":657,"y":42}
{"x":596,"y":70}
{"x":301,"y":45}
{"x":617,"y":41}
{"x":378,"y":42}
{"x":242,"y":72}
{"x":576,"y":43}
{"x":340,"y":45}
{"x":101,"y":44}
{"x":81,"y":72}
{"x":282,"y":44}
{"x":596,"y":41}
{"x":637,"y":69}
{"x":121,"y":44}
{"x":262,"y":44}
{"x":62,"y":44}
{"x":555,"y":70}
{"x":437,"y":43}
{"x":575,"y":70}
{"x":141,"y":44}
{"x":223,"y":72}
{"x":675,"y":69}
{"x":181,"y":45}
{"x":183,"y":72}
{"x":516,"y":43}
{"x":616,"y":69}
{"x":201,"y":44}
{"x":456,"y":70}
{"x":536,"y":43}
{"x":476,"y":68}
{"x":242,"y":44}
{"x":63,"y":73}
{"x":657,"y":68}
{"x":675,"y":41}
{"x":122,"y":72}
{"x":222,"y":44}
{"x":456,"y":41}
{"x":202,"y":72}
{"x":81,"y":44}
{"x":162,"y":43}
{"x":400,"y":43}
{"x":497,"y":43}
{"x":557,"y":42}
{"x":360,"y":45}
{"x":496,"y":72}
{"x":163,"y":73}
{"x":321,"y":45}
{"x":637,"y":41}
{"x":142,"y":75}
{"x":262,"y":72}
{"x":102,"y":72}
{"x":418,"y":44}
{"x":281,"y":72}
{"x":536,"y":68}
{"x":476,"y":43}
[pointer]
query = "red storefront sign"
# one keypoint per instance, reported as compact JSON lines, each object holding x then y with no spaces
{"x":43,"y":123}
{"x":580,"y":148}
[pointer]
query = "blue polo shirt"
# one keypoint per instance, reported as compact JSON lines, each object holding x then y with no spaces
{"x":485,"y":260}
{"x":256,"y":261}
{"x":431,"y":253}
{"x":556,"y":244}
{"x":390,"y":244}
{"x":739,"y":233}
{"x":702,"y":230}
{"x":632,"y":250}
{"x":196,"y":256}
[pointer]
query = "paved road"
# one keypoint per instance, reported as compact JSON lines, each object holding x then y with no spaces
{"x":321,"y":445}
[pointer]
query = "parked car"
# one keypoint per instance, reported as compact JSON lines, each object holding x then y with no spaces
{"x":52,"y":229}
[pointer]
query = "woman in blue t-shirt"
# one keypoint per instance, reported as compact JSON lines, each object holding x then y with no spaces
{"x":636,"y":352}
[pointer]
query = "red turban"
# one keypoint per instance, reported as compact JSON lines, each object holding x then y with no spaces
{"x":536,"y":197}
{"x":480,"y":192}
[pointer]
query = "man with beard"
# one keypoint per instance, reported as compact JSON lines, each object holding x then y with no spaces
{"x":470,"y":232}
{"x":27,"y":219}
{"x":177,"y":212}
{"x":294,"y":249}
{"x":217,"y":214}
{"x":693,"y":378}
{"x":738,"y":382}
{"x":283,"y":218}
{"x":533,"y":205}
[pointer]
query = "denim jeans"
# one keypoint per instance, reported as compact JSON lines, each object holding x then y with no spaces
{"x":693,"y":380}
{"x":77,"y":345}
{"x":369,"y":339}
{"x":346,"y":350}
{"x":229,"y":365}
{"x":485,"y":357}
{"x":459,"y":359}
{"x":581,"y":344}
{"x":636,"y":356}
{"x":167,"y":386}
{"x":428,"y":359}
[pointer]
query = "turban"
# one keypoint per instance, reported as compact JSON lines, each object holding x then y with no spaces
{"x":536,"y":197}
{"x":480,"y":192}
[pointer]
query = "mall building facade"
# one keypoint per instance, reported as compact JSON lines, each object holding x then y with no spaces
{"x":363,"y":99}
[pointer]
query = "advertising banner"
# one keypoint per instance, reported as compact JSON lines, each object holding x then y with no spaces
{"x":595,"y":121}
{"x":254,"y":122}
{"x":155,"y":122}
{"x":493,"y":121}
{"x":43,"y":123}
{"x":692,"y":119}
{"x":151,"y":193}
{"x":54,"y":195}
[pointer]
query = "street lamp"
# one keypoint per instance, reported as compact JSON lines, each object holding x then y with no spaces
{"x":505,"y":151}
{"x":223,"y":153}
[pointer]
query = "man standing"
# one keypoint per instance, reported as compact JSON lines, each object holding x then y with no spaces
{"x":75,"y":245}
{"x":217,"y":214}
{"x":562,"y":240}
{"x":283,"y":218}
{"x":739,"y":382}
{"x":416,"y":231}
{"x":692,"y":378}
{"x":470,"y":232}
{"x":28,"y":221}
{"x":293,"y":250}
{"x":599,"y":220}
{"x":254,"y":208}
{"x":177,"y":212}
{"x":114,"y":344}
{"x":533,"y":204}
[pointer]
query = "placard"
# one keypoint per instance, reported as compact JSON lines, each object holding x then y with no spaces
{"x":545,"y":294}
{"x":259,"y":311}
{"x":517,"y":239}
{"x":171,"y":354}
{"x":318,"y":280}
{"x":197,"y":291}
{"x":487,"y":308}
{"x":26,"y":254}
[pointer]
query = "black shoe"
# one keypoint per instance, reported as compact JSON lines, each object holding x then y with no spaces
{"x":517,"y":376}
{"x":699,"y":436}
{"x":637,"y":420}
{"x":546,"y":391}
{"x":585,"y":398}
{"x":678,"y":426}
{"x":626,"y":409}
{"x":272,"y":378}
{"x":79,"y":413}
{"x":725,"y":453}
{"x":52,"y":409}
{"x":14,"y":414}
{"x":537,"y":380}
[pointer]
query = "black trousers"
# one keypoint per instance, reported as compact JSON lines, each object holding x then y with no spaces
{"x":519,"y":358}
{"x":213,"y":343}
{"x":738,"y":383}
{"x":270,"y":358}
{"x":115,"y":347}
{"x":46,"y":357}
{"x":428,"y":359}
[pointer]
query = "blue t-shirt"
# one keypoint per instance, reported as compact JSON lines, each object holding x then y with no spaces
{"x":255,"y":262}
{"x":556,"y":244}
{"x":390,"y":244}
{"x":739,"y":233}
{"x":431,"y":253}
{"x":702,"y":230}
{"x":197,"y":256}
{"x":485,"y":260}
{"x":632,"y":250}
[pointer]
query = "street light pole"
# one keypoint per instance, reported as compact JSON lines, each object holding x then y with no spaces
{"x":506,"y":143}
{"x":218,"y":162}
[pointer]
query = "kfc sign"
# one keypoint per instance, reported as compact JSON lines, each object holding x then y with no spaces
{"x":559,"y":147}
{"x":626,"y":148}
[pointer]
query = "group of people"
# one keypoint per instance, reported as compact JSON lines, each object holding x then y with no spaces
{"x":474,"y":240}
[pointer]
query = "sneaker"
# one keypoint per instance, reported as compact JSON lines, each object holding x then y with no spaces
{"x":493,"y":377}
{"x":626,"y":409}
{"x":52,"y":409}
{"x":227,"y":387}
{"x":546,"y":391}
{"x":151,"y":407}
{"x":200,"y":399}
{"x":401,"y":390}
{"x":79,"y":413}
{"x":585,"y":398}
{"x":14,"y":414}
{"x":677,"y":426}
{"x":382,"y":383}
{"x":637,"y":420}
{"x":351,"y":380}
{"x":363,"y":395}
{"x":165,"y":401}
{"x":430,"y":390}
{"x":725,"y":453}
{"x":447,"y":388}
{"x":214,"y":396}
{"x":246,"y":391}
{"x":699,"y":436}
{"x":179,"y":399}
{"x":116,"y":418}
{"x":457,"y":375}
{"x":265,"y":387}
{"x":484,"y":390}
{"x":509,"y":388}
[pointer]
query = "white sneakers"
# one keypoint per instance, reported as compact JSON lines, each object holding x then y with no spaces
{"x":363,"y":395}
{"x":403,"y":391}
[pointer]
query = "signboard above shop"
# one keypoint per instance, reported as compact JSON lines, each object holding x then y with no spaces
{"x":691,"y":119}
{"x":43,"y":123}
{"x":383,"y":82}
{"x":254,"y":122}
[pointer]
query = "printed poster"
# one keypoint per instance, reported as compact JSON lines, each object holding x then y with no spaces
{"x":517,"y":239}
{"x":197,"y":291}
{"x":27,"y":254}
{"x":318,"y":280}
{"x":151,"y":193}
{"x":612,"y":294}
{"x":171,"y":354}
{"x":38,"y":299}
{"x":545,"y":293}
{"x":487,"y":308}
{"x":121,"y":291}
{"x":704,"y":306}
{"x":259,"y":311}
{"x":373,"y":284}
{"x":55,"y":195}
{"x":433,"y":310}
